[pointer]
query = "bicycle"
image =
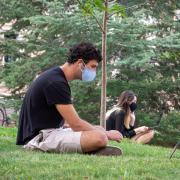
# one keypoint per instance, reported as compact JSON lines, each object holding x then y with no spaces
{"x":175,"y":148}
{"x":4,"y":119}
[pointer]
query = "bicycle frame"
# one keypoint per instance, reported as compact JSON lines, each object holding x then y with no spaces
{"x":4,"y":120}
{"x":175,"y":148}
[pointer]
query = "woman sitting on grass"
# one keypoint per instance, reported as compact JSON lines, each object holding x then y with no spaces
{"x":122,"y":118}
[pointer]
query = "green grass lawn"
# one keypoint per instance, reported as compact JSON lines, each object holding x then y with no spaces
{"x":137,"y":162}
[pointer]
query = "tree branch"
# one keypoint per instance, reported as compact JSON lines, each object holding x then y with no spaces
{"x":99,"y":24}
{"x":137,"y":5}
{"x":129,"y":8}
{"x":112,"y":14}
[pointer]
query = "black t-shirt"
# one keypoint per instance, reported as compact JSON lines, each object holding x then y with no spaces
{"x":38,"y":110}
{"x":115,"y":121}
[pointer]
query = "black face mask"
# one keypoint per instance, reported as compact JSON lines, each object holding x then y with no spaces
{"x":133,"y":106}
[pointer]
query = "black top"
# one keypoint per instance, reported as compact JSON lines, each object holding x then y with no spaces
{"x":38,"y":110}
{"x":115,"y":121}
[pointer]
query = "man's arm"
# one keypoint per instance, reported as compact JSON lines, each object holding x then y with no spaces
{"x":71,"y":117}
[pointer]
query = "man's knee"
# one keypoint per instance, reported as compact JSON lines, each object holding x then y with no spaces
{"x":92,"y":140}
{"x":101,"y":139}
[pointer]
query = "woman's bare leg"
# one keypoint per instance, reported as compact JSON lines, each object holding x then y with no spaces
{"x":144,"y":137}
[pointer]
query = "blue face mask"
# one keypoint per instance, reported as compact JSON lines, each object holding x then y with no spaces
{"x":88,"y":74}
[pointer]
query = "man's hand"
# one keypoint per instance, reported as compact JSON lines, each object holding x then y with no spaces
{"x":114,"y":135}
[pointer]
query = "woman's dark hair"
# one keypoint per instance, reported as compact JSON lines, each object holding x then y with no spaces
{"x":124,"y":98}
{"x":85,"y":51}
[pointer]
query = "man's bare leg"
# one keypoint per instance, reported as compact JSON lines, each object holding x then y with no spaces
{"x":93,"y":140}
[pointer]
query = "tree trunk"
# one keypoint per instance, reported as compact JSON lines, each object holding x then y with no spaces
{"x":103,"y":87}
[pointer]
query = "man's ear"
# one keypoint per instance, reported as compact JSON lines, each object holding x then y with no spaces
{"x":79,"y":61}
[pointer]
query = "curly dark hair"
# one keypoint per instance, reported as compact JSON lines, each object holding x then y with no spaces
{"x":85,"y":51}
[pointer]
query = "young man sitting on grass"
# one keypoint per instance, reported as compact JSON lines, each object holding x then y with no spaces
{"x":47,"y":105}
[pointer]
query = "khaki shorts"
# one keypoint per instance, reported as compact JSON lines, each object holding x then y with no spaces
{"x":56,"y":140}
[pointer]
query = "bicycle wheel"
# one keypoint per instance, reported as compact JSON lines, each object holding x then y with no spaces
{"x":2,"y":117}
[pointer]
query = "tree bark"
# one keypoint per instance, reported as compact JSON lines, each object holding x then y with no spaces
{"x":103,"y":83}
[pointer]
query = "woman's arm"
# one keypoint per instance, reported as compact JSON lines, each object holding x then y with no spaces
{"x":133,"y":118}
{"x":141,"y":129}
{"x":119,"y":124}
